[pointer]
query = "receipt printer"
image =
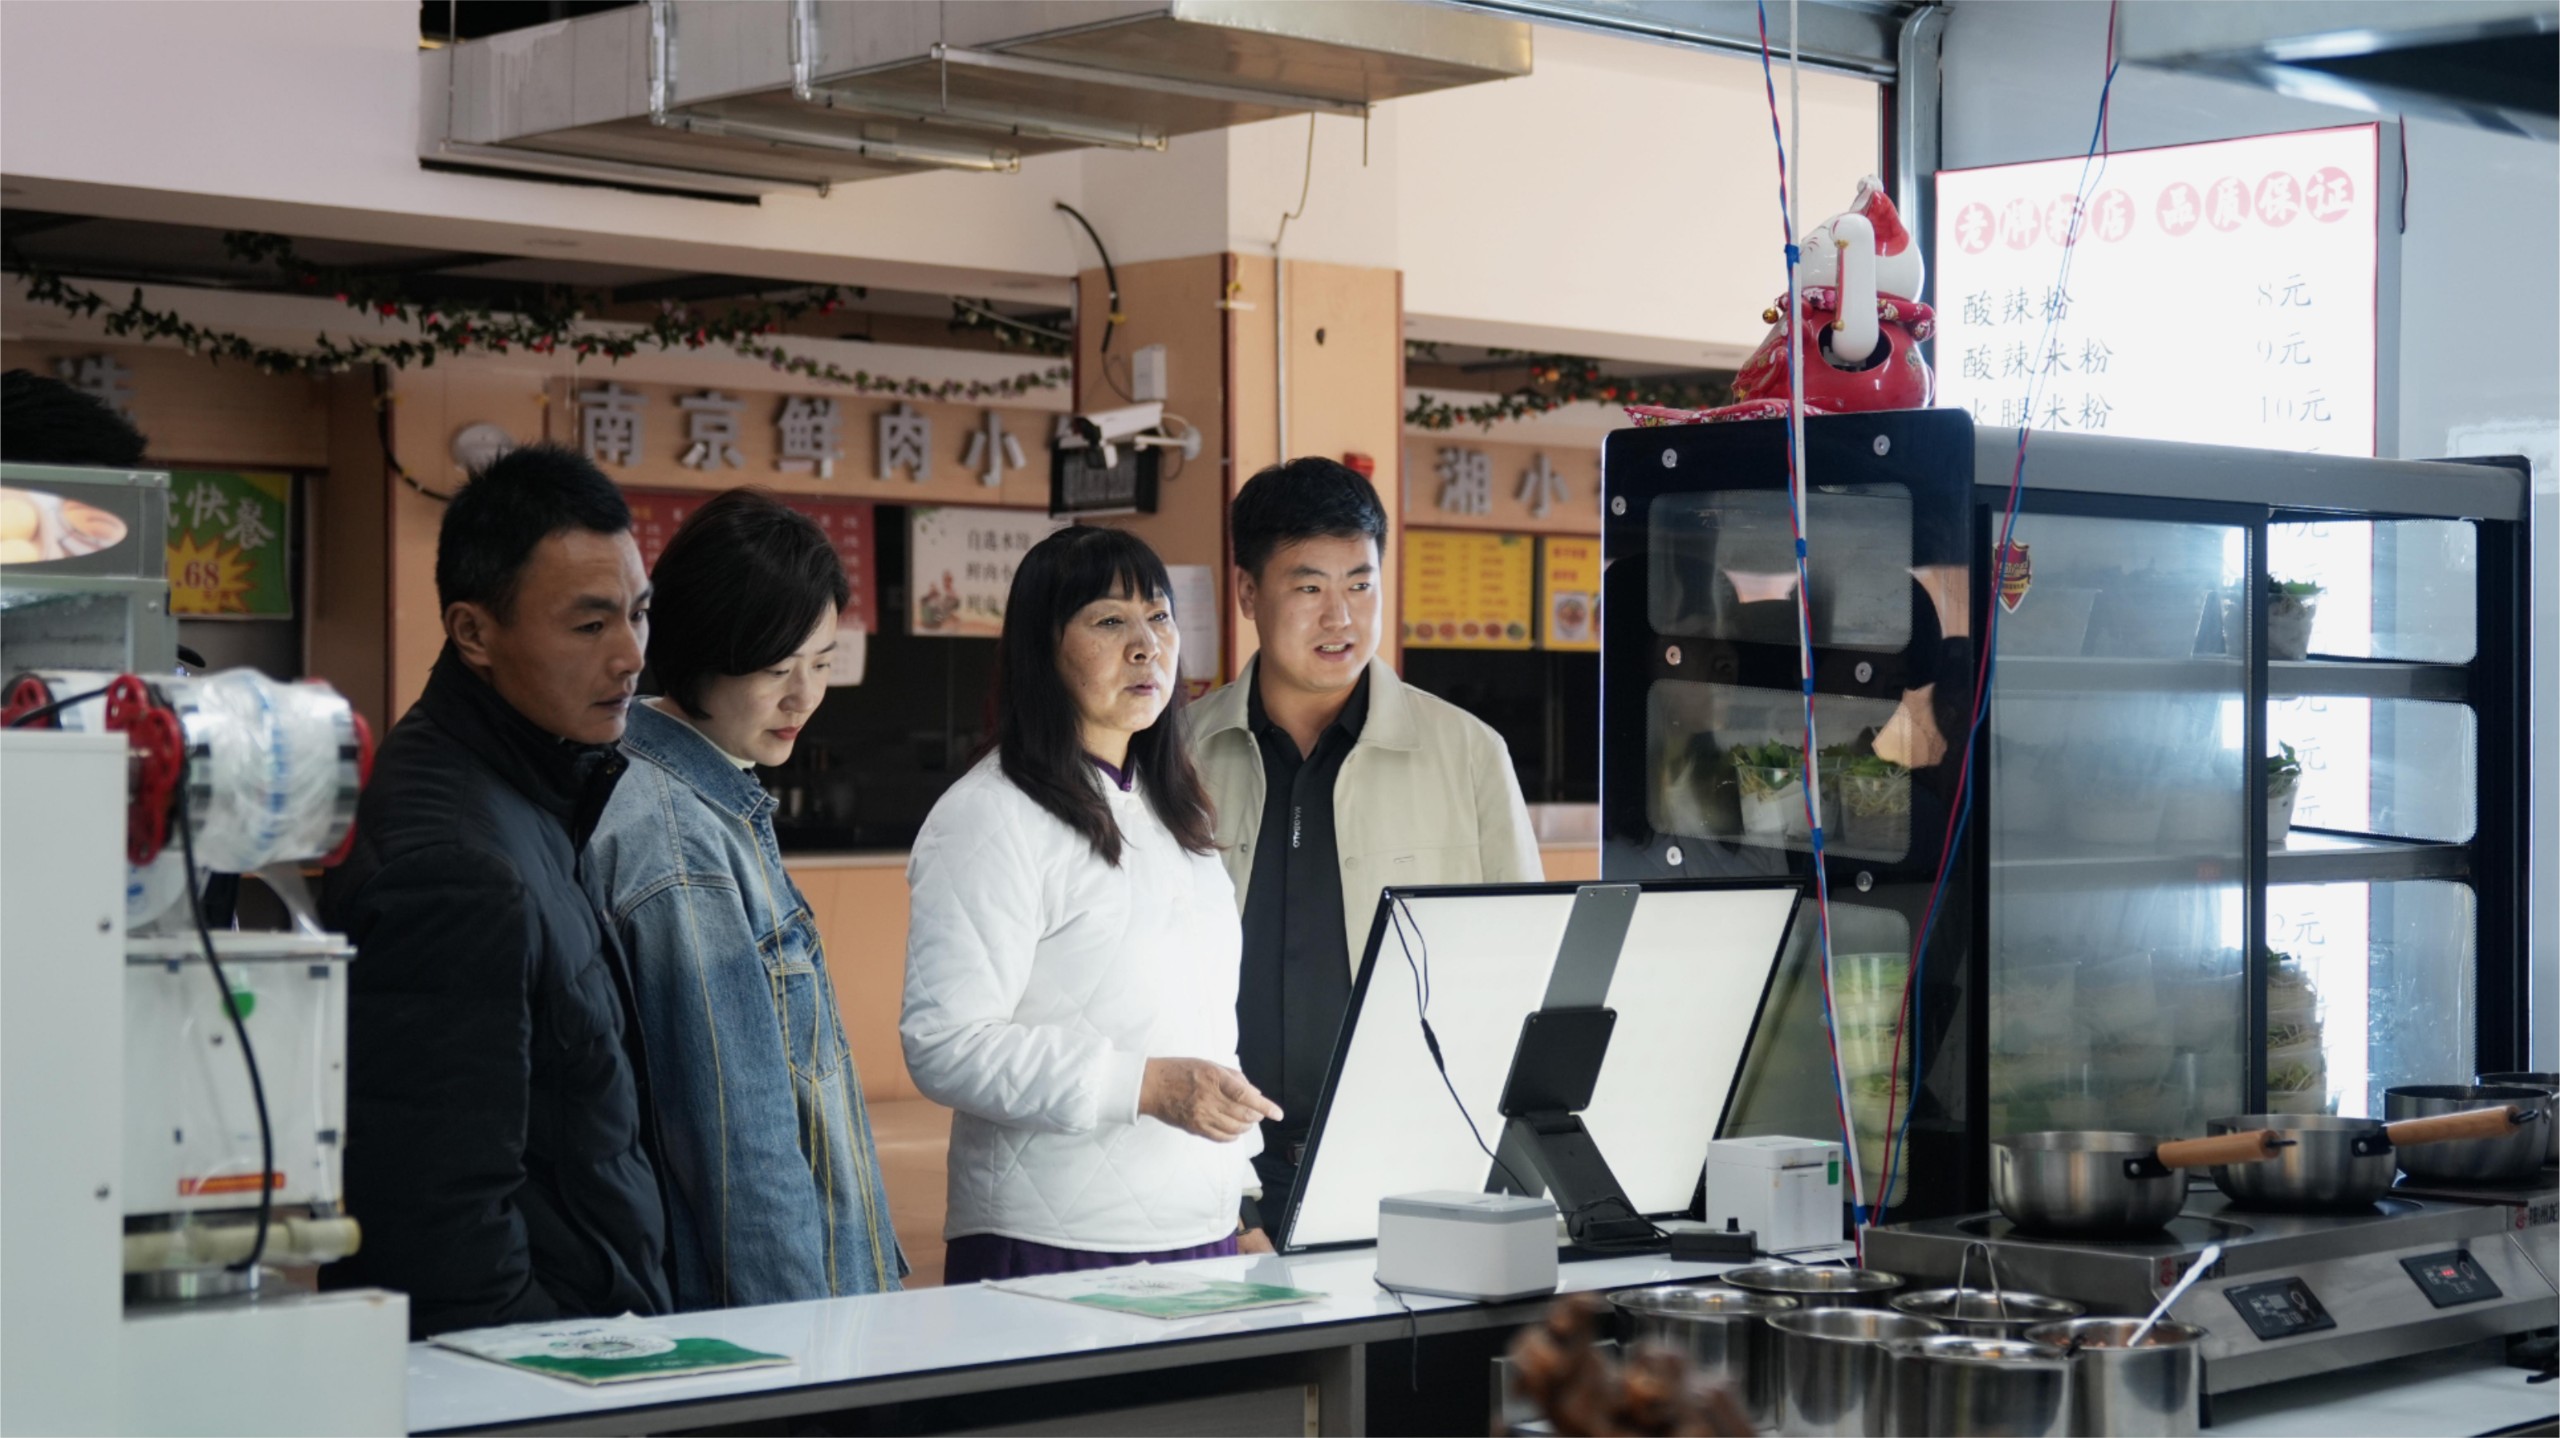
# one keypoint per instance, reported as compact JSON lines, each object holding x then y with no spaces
{"x":1785,"y":1189}
{"x":1485,"y":1247}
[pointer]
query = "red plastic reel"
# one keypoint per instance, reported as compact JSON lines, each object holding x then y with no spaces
{"x":159,"y":748}
{"x":29,"y":694}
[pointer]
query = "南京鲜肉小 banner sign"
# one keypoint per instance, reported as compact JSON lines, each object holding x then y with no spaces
{"x":2222,"y":293}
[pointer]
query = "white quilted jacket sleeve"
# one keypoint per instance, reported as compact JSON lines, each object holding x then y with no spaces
{"x":978,"y":896}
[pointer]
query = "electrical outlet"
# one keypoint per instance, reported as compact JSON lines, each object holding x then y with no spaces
{"x":1146,"y":374}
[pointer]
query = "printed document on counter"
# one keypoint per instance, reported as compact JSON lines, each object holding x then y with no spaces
{"x":604,"y":1350}
{"x":1154,"y":1293}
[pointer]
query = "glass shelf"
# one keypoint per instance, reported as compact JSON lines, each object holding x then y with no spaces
{"x":2324,"y":856}
{"x":2367,"y":679}
{"x":2039,"y":674}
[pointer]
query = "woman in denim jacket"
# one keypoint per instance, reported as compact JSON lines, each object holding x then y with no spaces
{"x":774,"y":1186}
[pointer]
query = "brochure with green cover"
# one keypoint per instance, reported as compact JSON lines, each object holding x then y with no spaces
{"x":1155,"y":1292}
{"x":605,"y":1350}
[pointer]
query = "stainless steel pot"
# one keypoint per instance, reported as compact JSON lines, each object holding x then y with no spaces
{"x":1980,"y":1387}
{"x":2550,"y":1086}
{"x":1838,"y":1376}
{"x":1723,"y":1332}
{"x":1983,"y":1312}
{"x":2339,"y":1163}
{"x":2150,"y":1390}
{"x":2107,"y":1184}
{"x":1818,"y":1287}
{"x":2515,"y":1155}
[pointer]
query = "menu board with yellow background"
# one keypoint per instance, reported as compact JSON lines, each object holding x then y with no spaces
{"x":1570,"y":587}
{"x":1469,"y":590}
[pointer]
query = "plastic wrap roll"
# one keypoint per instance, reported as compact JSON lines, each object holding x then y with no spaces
{"x":271,"y":768}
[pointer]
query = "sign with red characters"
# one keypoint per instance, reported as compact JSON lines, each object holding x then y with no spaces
{"x":656,"y":514}
{"x":2222,"y":293}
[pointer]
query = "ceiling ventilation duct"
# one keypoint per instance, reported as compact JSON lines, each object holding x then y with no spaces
{"x":2494,"y":64}
{"x":723,"y":97}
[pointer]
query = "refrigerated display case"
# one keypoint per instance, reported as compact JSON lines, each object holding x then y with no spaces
{"x":2127,"y":937}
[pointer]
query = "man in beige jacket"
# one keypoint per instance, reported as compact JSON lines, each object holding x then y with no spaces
{"x":1332,"y":779}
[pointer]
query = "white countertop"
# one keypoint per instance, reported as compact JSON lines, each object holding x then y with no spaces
{"x":894,"y":1335}
{"x":2460,"y":1390}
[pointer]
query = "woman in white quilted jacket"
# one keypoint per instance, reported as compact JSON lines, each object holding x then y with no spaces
{"x":1073,"y":943}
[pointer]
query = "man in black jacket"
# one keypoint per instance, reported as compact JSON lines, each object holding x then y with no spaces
{"x":499,"y":1152}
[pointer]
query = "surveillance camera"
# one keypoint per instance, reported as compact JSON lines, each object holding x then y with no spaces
{"x":1105,"y":426}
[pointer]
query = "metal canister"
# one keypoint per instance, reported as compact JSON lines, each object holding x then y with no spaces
{"x":1838,"y":1374}
{"x":2146,"y":1392}
{"x":1984,"y":1312}
{"x":1816,"y":1286}
{"x":1980,"y":1387}
{"x":1723,"y":1332}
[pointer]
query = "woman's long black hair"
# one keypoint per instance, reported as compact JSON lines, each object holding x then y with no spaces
{"x":1039,"y":741}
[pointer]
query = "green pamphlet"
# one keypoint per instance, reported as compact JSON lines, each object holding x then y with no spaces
{"x":605,"y":1350}
{"x":1154,"y":1292}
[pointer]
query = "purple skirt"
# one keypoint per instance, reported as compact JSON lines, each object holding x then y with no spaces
{"x":986,"y":1255}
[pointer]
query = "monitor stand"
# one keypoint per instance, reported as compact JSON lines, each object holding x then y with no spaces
{"x":1554,"y":1070}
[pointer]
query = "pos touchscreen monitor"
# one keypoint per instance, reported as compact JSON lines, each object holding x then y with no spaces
{"x":1589,"y":1034}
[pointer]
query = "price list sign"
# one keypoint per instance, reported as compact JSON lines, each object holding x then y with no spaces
{"x":1468,"y":590}
{"x":2222,"y":293}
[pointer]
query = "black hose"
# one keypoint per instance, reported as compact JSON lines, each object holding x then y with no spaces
{"x":1110,"y":276}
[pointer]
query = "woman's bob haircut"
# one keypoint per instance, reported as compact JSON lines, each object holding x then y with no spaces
{"x":1039,"y":740}
{"x":738,"y":589}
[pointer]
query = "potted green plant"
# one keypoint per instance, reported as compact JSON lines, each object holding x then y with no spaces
{"x":2284,"y":786}
{"x":1875,"y":804}
{"x":1771,"y":777}
{"x":2291,"y":604}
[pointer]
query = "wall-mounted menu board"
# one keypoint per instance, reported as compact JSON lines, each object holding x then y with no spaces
{"x":1469,"y":590}
{"x":2222,"y":293}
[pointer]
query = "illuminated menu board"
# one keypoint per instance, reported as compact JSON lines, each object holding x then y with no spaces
{"x":2222,"y":293}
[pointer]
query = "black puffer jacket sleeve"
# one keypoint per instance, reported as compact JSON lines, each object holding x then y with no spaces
{"x":438,"y":1090}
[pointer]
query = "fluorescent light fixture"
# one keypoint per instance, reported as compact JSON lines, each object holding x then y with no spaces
{"x":994,"y":117}
{"x":895,"y":152}
{"x":1158,"y":84}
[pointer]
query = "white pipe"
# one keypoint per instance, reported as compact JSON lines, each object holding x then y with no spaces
{"x":1856,"y":331}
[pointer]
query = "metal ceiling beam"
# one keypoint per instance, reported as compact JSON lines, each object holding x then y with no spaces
{"x":1851,"y":38}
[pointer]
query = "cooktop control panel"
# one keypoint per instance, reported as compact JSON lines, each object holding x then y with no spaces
{"x":2279,"y":1308}
{"x":2451,"y":1278}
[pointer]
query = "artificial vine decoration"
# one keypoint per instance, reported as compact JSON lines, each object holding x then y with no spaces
{"x":551,"y":325}
{"x":1555,"y":381}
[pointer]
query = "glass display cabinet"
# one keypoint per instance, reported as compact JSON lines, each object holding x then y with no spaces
{"x":2246,"y":807}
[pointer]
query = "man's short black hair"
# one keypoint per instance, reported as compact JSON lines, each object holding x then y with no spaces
{"x":1310,"y":498}
{"x":44,"y":421}
{"x":511,"y":504}
{"x":737,"y":590}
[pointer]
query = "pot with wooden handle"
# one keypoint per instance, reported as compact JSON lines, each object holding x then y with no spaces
{"x":2510,"y":1153}
{"x":2103,"y":1184}
{"x":2340,"y":1163}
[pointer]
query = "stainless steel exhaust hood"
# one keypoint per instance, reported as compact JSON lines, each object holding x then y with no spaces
{"x":747,"y":95}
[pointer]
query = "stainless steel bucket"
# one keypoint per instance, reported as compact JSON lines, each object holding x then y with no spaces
{"x":1818,"y":1287}
{"x":2146,"y":1392}
{"x":1980,"y":1387}
{"x":1983,"y":1312}
{"x":1723,"y":1332}
{"x":1838,"y":1374}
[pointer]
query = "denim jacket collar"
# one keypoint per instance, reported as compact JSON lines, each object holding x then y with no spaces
{"x":682,"y":751}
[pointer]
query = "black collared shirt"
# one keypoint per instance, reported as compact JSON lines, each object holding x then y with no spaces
{"x":1296,"y":979}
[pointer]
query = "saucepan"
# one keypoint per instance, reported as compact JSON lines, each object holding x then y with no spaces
{"x":2505,"y":1158}
{"x":2549,"y":1084}
{"x":2342,"y":1163}
{"x":2103,"y":1184}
